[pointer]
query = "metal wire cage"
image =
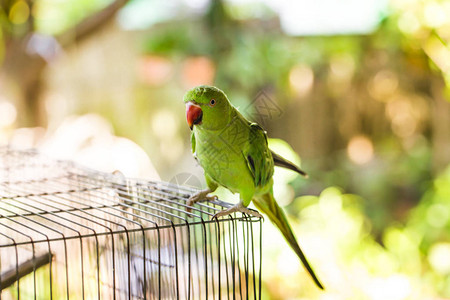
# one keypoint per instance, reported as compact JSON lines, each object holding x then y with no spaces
{"x":70,"y":232}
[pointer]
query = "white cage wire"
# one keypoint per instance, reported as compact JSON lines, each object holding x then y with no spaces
{"x":68,"y":232}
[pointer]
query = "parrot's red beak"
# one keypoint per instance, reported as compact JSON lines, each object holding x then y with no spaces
{"x":194,"y":114}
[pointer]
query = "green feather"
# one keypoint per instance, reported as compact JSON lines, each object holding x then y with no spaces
{"x":257,"y":154}
{"x":268,"y":206}
{"x":193,"y":143}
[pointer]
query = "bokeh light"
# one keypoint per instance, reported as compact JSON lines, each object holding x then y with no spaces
{"x":8,"y":113}
{"x":360,"y":149}
{"x":198,"y":71}
{"x":19,"y":12}
{"x":155,"y":70}
{"x":301,"y":79}
{"x":383,"y":85}
{"x":440,"y":258}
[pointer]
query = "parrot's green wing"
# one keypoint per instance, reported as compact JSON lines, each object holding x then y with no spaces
{"x":257,"y":154}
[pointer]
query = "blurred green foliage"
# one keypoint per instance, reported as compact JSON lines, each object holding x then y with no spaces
{"x":54,"y":17}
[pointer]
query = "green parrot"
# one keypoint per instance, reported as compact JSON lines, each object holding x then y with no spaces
{"x":234,"y":153}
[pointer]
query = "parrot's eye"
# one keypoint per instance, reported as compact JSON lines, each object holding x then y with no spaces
{"x":212,"y":102}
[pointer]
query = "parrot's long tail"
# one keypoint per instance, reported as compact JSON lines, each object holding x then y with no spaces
{"x":280,"y":161}
{"x":267,"y":205}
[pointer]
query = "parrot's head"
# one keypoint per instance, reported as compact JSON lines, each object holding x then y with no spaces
{"x":207,"y":106}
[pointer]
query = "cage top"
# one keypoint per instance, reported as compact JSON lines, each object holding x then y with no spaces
{"x":42,"y":199}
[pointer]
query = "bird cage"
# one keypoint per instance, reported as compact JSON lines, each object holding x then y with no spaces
{"x":71,"y":232}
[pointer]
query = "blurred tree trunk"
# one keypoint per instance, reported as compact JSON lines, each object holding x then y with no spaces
{"x":25,"y":72}
{"x":24,"y":67}
{"x":440,"y":124}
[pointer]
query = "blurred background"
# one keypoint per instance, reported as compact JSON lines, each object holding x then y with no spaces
{"x":360,"y":91}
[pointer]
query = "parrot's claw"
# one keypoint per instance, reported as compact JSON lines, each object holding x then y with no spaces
{"x":238,"y":208}
{"x":199,"y":196}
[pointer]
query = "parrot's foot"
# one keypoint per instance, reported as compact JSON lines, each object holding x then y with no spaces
{"x":199,"y":196}
{"x":238,"y":208}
